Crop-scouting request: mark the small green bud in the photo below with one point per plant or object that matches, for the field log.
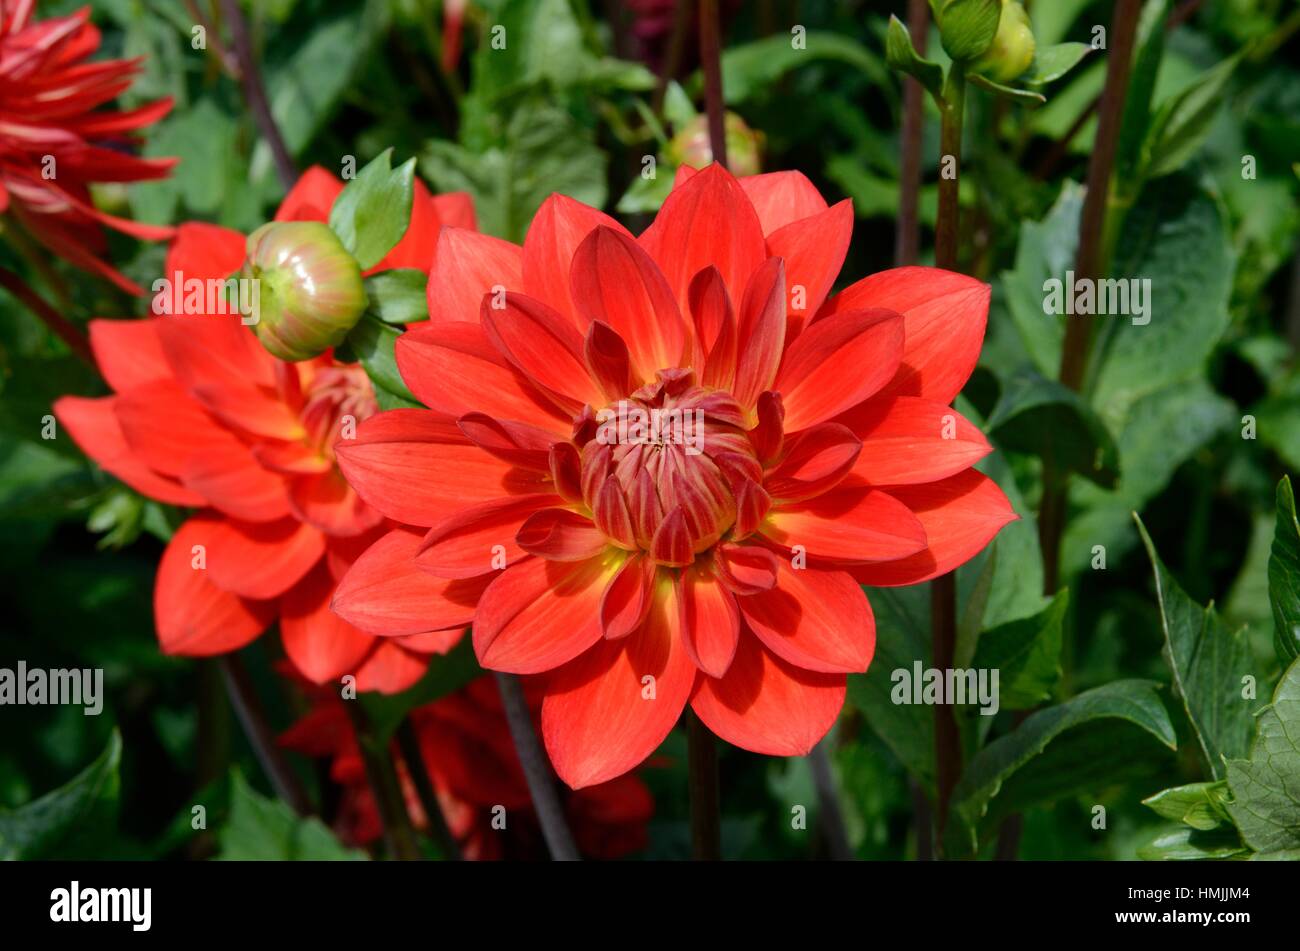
(309, 288)
(1012, 51)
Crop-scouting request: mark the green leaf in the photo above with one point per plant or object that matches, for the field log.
(1134, 126)
(902, 56)
(1193, 845)
(1284, 575)
(967, 27)
(1040, 416)
(1099, 738)
(267, 830)
(399, 296)
(371, 344)
(1024, 96)
(1208, 664)
(42, 828)
(750, 68)
(374, 210)
(1182, 123)
(1053, 62)
(1027, 655)
(446, 675)
(647, 195)
(1266, 786)
(1199, 805)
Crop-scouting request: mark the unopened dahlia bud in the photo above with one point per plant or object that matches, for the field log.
(691, 145)
(309, 288)
(1013, 47)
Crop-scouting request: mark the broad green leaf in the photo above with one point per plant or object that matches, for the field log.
(1199, 805)
(1096, 739)
(1027, 655)
(446, 674)
(1208, 664)
(205, 140)
(1134, 126)
(399, 296)
(1182, 123)
(1266, 785)
(1284, 575)
(371, 344)
(1186, 845)
(750, 68)
(374, 210)
(267, 830)
(1053, 62)
(1040, 416)
(902, 56)
(967, 27)
(45, 826)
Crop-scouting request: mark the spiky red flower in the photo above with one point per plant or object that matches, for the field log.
(53, 142)
(640, 575)
(472, 763)
(203, 416)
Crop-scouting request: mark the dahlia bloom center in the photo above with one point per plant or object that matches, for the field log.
(663, 469)
(335, 401)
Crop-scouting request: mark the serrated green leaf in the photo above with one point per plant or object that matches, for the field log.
(374, 209)
(1208, 664)
(398, 296)
(1199, 805)
(267, 830)
(1284, 575)
(1266, 786)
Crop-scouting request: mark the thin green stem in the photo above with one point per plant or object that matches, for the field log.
(706, 814)
(399, 834)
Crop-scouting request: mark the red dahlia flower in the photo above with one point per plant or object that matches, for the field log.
(53, 145)
(471, 761)
(715, 560)
(203, 416)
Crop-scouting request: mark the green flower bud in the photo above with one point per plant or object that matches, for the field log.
(1012, 51)
(309, 288)
(691, 145)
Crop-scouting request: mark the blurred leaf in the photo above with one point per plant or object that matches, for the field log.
(1027, 654)
(750, 68)
(902, 56)
(1265, 804)
(1199, 805)
(446, 674)
(204, 139)
(1193, 845)
(1207, 663)
(1182, 123)
(1053, 62)
(1284, 575)
(1090, 741)
(1150, 45)
(267, 830)
(43, 827)
(647, 195)
(399, 296)
(374, 209)
(1026, 97)
(1040, 416)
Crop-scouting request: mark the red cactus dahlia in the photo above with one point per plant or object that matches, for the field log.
(53, 144)
(202, 416)
(795, 447)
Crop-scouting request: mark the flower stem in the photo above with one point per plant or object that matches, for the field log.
(248, 708)
(907, 235)
(63, 328)
(255, 93)
(711, 57)
(399, 835)
(832, 816)
(537, 771)
(409, 744)
(706, 821)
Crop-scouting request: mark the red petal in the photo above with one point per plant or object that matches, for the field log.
(466, 266)
(767, 706)
(557, 229)
(626, 600)
(391, 669)
(325, 501)
(194, 617)
(815, 461)
(761, 333)
(128, 352)
(837, 363)
(261, 560)
(415, 250)
(960, 514)
(710, 620)
(746, 569)
(455, 210)
(817, 620)
(311, 197)
(561, 535)
(230, 478)
(385, 592)
(909, 440)
(813, 249)
(944, 315)
(612, 279)
(540, 614)
(780, 198)
(544, 347)
(848, 524)
(715, 328)
(212, 353)
(602, 716)
(474, 542)
(321, 644)
(203, 251)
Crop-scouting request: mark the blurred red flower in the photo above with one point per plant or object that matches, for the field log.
(54, 145)
(203, 416)
(471, 761)
(642, 570)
